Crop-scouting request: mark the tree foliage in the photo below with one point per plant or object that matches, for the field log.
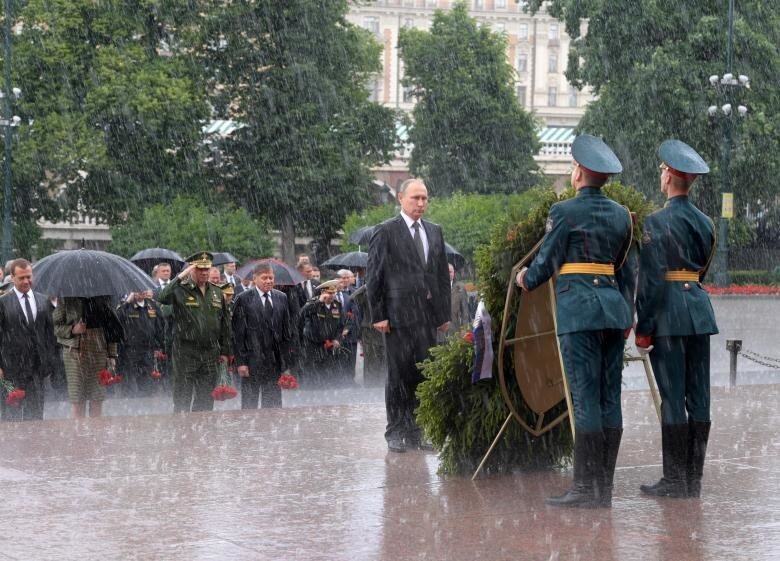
(649, 63)
(294, 74)
(186, 225)
(468, 130)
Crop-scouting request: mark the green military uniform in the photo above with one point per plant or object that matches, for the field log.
(201, 333)
(587, 241)
(675, 311)
(323, 324)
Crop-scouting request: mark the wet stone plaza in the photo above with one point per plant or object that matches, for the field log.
(315, 482)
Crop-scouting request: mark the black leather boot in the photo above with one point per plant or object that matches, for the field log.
(611, 446)
(698, 435)
(674, 440)
(588, 457)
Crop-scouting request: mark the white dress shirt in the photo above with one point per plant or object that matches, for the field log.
(31, 298)
(262, 297)
(423, 236)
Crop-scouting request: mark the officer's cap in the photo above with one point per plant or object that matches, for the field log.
(681, 158)
(201, 260)
(228, 289)
(595, 156)
(330, 286)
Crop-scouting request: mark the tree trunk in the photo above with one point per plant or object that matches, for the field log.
(287, 245)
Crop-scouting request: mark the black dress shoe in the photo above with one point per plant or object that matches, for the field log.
(396, 445)
(417, 444)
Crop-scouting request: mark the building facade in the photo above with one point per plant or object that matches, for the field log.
(537, 49)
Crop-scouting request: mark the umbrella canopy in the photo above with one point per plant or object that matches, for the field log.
(361, 236)
(284, 274)
(454, 256)
(351, 260)
(87, 273)
(222, 257)
(146, 259)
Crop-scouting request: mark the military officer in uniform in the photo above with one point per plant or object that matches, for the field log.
(675, 320)
(586, 242)
(201, 334)
(323, 325)
(143, 325)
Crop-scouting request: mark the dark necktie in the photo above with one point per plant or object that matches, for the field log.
(418, 242)
(28, 309)
(267, 308)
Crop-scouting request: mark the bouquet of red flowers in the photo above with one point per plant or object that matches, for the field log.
(328, 345)
(469, 337)
(155, 373)
(224, 388)
(287, 381)
(107, 377)
(13, 396)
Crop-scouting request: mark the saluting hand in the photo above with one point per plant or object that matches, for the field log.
(186, 272)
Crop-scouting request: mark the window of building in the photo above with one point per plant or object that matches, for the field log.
(479, 4)
(573, 92)
(371, 23)
(500, 3)
(521, 95)
(552, 63)
(374, 88)
(522, 62)
(499, 27)
(552, 32)
(522, 32)
(409, 3)
(406, 95)
(552, 96)
(430, 3)
(408, 23)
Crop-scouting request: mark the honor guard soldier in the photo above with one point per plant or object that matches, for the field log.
(201, 334)
(675, 320)
(323, 324)
(586, 243)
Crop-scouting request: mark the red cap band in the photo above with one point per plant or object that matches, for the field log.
(594, 173)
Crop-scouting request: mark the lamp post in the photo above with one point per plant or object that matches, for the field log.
(727, 87)
(8, 122)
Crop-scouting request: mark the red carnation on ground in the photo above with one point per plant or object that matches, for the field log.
(469, 338)
(13, 395)
(288, 382)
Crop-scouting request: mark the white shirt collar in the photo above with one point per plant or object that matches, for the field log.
(409, 220)
(261, 293)
(20, 294)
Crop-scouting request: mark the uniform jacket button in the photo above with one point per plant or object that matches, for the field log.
(686, 286)
(595, 281)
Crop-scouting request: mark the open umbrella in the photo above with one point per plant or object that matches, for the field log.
(87, 273)
(222, 257)
(350, 260)
(361, 236)
(146, 259)
(454, 256)
(284, 274)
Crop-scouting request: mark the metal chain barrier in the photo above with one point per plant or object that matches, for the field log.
(763, 360)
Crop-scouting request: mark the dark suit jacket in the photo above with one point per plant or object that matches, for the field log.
(400, 288)
(258, 343)
(26, 350)
(238, 288)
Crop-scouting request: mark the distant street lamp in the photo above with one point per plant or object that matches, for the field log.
(8, 123)
(728, 86)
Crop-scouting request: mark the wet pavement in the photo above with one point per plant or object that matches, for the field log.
(315, 482)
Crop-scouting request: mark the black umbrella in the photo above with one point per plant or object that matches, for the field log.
(361, 236)
(454, 256)
(222, 257)
(353, 259)
(146, 259)
(284, 274)
(87, 273)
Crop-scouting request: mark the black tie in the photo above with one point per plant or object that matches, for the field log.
(28, 309)
(267, 308)
(418, 242)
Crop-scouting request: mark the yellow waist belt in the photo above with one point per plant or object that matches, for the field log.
(587, 269)
(681, 276)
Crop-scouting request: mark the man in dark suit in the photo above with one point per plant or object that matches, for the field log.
(229, 272)
(261, 339)
(675, 320)
(409, 295)
(27, 342)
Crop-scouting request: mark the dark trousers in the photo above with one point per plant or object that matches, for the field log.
(31, 407)
(266, 391)
(406, 346)
(136, 366)
(194, 376)
(682, 371)
(593, 361)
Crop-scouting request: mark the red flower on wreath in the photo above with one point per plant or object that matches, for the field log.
(288, 382)
(469, 338)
